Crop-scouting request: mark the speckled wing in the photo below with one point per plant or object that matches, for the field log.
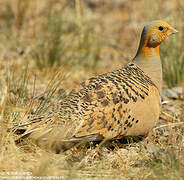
(112, 105)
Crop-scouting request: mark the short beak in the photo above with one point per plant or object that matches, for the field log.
(173, 31)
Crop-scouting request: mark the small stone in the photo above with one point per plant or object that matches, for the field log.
(178, 90)
(170, 93)
(165, 102)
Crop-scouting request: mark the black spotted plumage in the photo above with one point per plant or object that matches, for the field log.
(101, 103)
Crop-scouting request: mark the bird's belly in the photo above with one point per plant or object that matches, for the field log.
(137, 117)
(144, 115)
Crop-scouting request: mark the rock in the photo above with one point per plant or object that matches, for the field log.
(178, 90)
(174, 93)
(170, 93)
(165, 102)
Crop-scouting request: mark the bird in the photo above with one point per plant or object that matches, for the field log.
(124, 102)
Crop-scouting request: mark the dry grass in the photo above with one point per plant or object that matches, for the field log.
(84, 39)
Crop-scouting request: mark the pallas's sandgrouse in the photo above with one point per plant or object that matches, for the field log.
(125, 102)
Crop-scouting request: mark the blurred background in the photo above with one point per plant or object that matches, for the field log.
(85, 37)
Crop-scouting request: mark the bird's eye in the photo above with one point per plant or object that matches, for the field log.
(160, 28)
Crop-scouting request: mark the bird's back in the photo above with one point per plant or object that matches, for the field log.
(110, 105)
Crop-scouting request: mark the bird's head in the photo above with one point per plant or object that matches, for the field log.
(153, 35)
(156, 32)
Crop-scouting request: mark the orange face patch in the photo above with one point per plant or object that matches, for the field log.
(155, 35)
